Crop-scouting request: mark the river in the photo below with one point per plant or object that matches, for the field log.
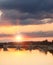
(25, 57)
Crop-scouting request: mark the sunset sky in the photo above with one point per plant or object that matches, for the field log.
(31, 18)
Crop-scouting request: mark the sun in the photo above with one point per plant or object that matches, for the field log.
(19, 38)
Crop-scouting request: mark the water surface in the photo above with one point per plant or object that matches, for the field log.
(25, 57)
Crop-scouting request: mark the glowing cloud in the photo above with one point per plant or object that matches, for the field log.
(1, 13)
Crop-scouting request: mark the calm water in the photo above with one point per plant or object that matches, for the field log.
(34, 57)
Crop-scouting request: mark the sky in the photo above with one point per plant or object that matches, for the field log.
(33, 18)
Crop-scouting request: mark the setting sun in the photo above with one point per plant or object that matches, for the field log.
(19, 38)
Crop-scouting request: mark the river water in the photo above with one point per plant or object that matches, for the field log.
(25, 57)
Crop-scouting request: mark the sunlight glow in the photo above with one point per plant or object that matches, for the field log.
(1, 13)
(19, 38)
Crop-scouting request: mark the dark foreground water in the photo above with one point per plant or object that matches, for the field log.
(25, 57)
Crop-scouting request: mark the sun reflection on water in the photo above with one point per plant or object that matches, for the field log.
(25, 57)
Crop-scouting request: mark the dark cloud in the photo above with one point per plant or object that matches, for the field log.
(40, 34)
(6, 35)
(27, 11)
(31, 34)
(30, 6)
(31, 22)
(15, 14)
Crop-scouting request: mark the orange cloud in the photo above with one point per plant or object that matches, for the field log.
(27, 28)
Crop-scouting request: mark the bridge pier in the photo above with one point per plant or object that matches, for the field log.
(5, 48)
(18, 47)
